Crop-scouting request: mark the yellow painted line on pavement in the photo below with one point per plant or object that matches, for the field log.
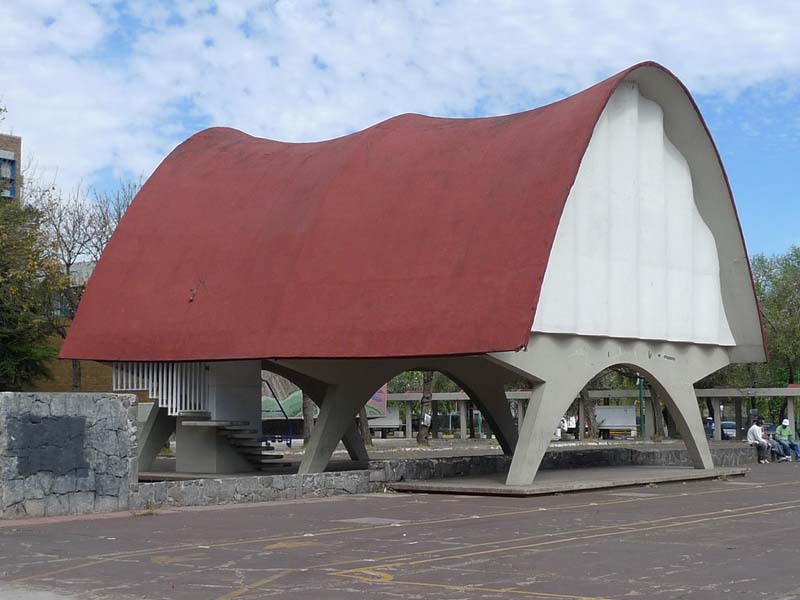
(168, 559)
(255, 585)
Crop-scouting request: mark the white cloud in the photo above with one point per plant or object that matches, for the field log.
(91, 85)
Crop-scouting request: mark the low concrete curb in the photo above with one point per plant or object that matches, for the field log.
(554, 482)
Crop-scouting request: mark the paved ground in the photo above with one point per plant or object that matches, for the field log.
(702, 539)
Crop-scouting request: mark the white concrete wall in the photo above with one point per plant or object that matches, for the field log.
(632, 256)
(235, 391)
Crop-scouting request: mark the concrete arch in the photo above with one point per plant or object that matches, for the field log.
(316, 391)
(565, 363)
(347, 385)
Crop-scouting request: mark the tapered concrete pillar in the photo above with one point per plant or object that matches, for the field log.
(352, 440)
(462, 419)
(547, 405)
(682, 404)
(336, 421)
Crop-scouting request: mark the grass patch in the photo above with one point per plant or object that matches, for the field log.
(150, 510)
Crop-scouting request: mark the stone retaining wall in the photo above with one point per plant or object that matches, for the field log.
(66, 454)
(249, 488)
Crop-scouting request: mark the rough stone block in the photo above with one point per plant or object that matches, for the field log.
(106, 504)
(81, 503)
(40, 408)
(34, 507)
(56, 505)
(13, 492)
(85, 480)
(65, 484)
(106, 485)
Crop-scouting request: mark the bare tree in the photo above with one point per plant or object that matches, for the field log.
(66, 221)
(107, 211)
(79, 229)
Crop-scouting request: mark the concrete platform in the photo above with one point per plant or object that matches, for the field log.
(559, 481)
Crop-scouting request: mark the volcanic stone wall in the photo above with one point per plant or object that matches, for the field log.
(66, 454)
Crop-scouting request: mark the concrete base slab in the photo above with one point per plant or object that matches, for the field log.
(559, 481)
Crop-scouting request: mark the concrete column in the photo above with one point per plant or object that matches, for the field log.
(354, 443)
(581, 420)
(235, 391)
(315, 388)
(682, 404)
(337, 415)
(548, 404)
(409, 427)
(790, 413)
(520, 413)
(462, 419)
(717, 419)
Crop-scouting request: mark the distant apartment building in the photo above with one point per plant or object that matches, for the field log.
(10, 165)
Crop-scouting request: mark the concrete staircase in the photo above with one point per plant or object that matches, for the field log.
(247, 441)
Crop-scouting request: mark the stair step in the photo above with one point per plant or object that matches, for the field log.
(255, 451)
(253, 435)
(223, 424)
(240, 426)
(265, 459)
(254, 443)
(197, 414)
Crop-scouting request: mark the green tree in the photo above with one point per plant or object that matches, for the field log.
(777, 280)
(30, 279)
(778, 285)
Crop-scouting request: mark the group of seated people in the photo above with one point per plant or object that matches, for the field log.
(780, 445)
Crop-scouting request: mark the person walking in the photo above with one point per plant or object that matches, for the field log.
(755, 437)
(785, 437)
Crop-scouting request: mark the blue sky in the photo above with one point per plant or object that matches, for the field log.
(103, 90)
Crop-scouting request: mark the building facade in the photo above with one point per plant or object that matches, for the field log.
(10, 166)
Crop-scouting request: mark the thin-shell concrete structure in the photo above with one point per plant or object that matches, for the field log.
(553, 243)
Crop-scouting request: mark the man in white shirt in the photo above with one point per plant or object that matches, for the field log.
(756, 438)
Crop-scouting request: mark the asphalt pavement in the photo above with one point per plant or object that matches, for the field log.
(700, 539)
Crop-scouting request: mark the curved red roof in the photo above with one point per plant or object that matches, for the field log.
(418, 236)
